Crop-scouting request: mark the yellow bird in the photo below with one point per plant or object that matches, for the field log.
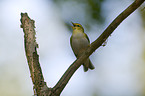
(79, 42)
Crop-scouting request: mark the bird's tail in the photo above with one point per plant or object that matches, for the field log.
(88, 65)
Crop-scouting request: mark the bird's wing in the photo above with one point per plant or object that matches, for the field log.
(87, 37)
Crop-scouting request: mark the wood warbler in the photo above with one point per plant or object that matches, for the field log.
(80, 42)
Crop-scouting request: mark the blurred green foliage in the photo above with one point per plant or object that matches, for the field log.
(95, 9)
(91, 8)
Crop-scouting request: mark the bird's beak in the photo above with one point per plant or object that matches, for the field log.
(73, 24)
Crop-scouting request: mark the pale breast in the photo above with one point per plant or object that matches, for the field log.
(79, 43)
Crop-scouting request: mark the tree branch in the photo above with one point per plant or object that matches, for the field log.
(94, 45)
(40, 86)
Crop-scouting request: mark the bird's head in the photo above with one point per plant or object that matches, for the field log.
(77, 26)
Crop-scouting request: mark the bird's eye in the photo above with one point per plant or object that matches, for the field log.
(78, 25)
